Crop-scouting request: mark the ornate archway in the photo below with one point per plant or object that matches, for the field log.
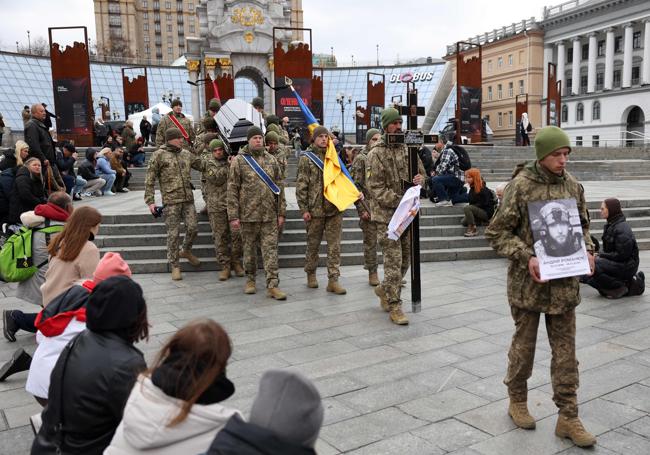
(249, 84)
(634, 123)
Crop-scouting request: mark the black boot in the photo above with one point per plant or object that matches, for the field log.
(615, 293)
(9, 327)
(20, 361)
(637, 284)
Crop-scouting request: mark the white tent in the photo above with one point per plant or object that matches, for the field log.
(162, 108)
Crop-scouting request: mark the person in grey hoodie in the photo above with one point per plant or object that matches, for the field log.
(285, 419)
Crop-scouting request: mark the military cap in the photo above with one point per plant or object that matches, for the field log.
(272, 119)
(214, 104)
(216, 143)
(318, 131)
(388, 116)
(370, 134)
(549, 139)
(173, 133)
(272, 136)
(254, 131)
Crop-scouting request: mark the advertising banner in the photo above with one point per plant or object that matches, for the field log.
(70, 97)
(287, 105)
(470, 111)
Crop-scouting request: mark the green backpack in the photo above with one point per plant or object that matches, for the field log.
(16, 262)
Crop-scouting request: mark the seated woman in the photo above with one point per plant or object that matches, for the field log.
(481, 203)
(28, 190)
(616, 265)
(174, 407)
(94, 374)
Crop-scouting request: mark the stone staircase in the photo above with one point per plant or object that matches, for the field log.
(141, 239)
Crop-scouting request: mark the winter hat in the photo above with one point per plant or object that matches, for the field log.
(208, 122)
(177, 102)
(114, 305)
(272, 136)
(272, 119)
(258, 102)
(215, 143)
(214, 105)
(549, 139)
(371, 132)
(289, 405)
(318, 131)
(613, 207)
(275, 128)
(388, 116)
(173, 133)
(110, 265)
(254, 131)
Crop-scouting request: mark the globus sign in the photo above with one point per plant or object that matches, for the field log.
(411, 77)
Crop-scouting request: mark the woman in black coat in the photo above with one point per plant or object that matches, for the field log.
(618, 262)
(481, 202)
(95, 373)
(28, 190)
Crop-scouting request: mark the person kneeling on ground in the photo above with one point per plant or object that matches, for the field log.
(481, 203)
(92, 183)
(103, 168)
(91, 381)
(174, 407)
(447, 181)
(616, 266)
(122, 175)
(285, 419)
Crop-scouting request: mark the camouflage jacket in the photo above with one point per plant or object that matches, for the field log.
(387, 178)
(358, 173)
(215, 176)
(249, 198)
(129, 137)
(309, 187)
(166, 122)
(171, 167)
(510, 235)
(281, 155)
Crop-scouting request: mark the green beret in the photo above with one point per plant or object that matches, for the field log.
(173, 133)
(388, 116)
(216, 143)
(272, 119)
(371, 132)
(272, 136)
(254, 131)
(549, 139)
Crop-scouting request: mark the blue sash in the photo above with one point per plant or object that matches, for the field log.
(315, 159)
(261, 174)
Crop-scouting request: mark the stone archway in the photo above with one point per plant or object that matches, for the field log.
(249, 84)
(634, 121)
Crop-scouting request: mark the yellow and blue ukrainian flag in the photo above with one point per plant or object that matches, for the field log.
(338, 186)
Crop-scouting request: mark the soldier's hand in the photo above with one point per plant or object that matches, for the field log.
(361, 197)
(235, 225)
(306, 217)
(280, 222)
(533, 269)
(592, 263)
(152, 208)
(365, 216)
(417, 180)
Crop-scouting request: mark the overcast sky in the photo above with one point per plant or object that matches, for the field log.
(404, 28)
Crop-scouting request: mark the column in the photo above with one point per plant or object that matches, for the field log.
(591, 63)
(561, 60)
(609, 59)
(575, 68)
(193, 69)
(646, 52)
(627, 56)
(548, 58)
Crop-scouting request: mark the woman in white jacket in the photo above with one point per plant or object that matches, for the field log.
(174, 407)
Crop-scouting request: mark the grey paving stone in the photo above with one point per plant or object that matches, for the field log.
(491, 327)
(337, 385)
(403, 444)
(389, 335)
(3, 422)
(440, 406)
(335, 411)
(600, 416)
(17, 441)
(485, 366)
(424, 343)
(323, 448)
(451, 434)
(462, 334)
(19, 415)
(595, 450)
(474, 348)
(463, 319)
(625, 442)
(629, 321)
(639, 340)
(598, 354)
(262, 334)
(376, 397)
(320, 351)
(592, 335)
(366, 429)
(445, 378)
(254, 365)
(635, 395)
(640, 427)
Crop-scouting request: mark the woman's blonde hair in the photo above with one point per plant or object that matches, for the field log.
(19, 146)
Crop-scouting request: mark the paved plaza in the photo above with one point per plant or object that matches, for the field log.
(433, 387)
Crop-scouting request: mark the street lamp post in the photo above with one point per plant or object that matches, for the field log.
(17, 47)
(169, 96)
(377, 54)
(343, 99)
(29, 43)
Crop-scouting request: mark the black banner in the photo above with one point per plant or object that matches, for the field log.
(470, 110)
(71, 97)
(287, 105)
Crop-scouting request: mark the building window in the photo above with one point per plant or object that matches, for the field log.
(116, 33)
(192, 28)
(146, 38)
(595, 111)
(569, 85)
(580, 112)
(181, 29)
(489, 66)
(511, 89)
(156, 5)
(168, 5)
(145, 27)
(583, 84)
(601, 48)
(565, 114)
(169, 17)
(569, 55)
(617, 78)
(145, 16)
(181, 49)
(156, 17)
(635, 75)
(636, 40)
(510, 118)
(618, 44)
(489, 94)
(595, 141)
(114, 8)
(170, 39)
(147, 49)
(521, 86)
(579, 141)
(600, 78)
(157, 27)
(169, 27)
(509, 59)
(499, 119)
(145, 4)
(585, 51)
(499, 91)
(499, 62)
(190, 6)
(115, 21)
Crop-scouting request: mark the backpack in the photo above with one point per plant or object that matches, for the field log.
(16, 262)
(464, 163)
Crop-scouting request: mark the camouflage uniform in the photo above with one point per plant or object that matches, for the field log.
(281, 155)
(387, 173)
(511, 236)
(216, 187)
(325, 216)
(251, 202)
(166, 123)
(368, 227)
(171, 167)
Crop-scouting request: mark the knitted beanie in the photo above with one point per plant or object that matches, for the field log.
(318, 131)
(275, 128)
(271, 136)
(549, 139)
(214, 105)
(258, 102)
(254, 131)
(173, 133)
(272, 119)
(371, 132)
(110, 265)
(215, 143)
(388, 116)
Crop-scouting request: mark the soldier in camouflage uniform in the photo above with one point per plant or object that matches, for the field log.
(319, 214)
(368, 228)
(166, 123)
(171, 165)
(387, 175)
(257, 211)
(227, 243)
(201, 147)
(213, 108)
(510, 235)
(275, 120)
(279, 153)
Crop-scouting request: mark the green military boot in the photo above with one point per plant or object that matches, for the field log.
(334, 287)
(373, 279)
(518, 411)
(312, 282)
(176, 274)
(190, 257)
(249, 288)
(379, 292)
(239, 270)
(397, 316)
(225, 273)
(572, 428)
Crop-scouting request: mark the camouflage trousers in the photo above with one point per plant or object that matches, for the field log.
(369, 230)
(397, 258)
(175, 214)
(561, 329)
(331, 227)
(266, 235)
(227, 243)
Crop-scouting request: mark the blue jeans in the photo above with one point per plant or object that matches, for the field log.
(446, 187)
(110, 179)
(69, 182)
(138, 159)
(79, 185)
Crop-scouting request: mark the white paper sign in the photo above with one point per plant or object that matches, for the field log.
(559, 242)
